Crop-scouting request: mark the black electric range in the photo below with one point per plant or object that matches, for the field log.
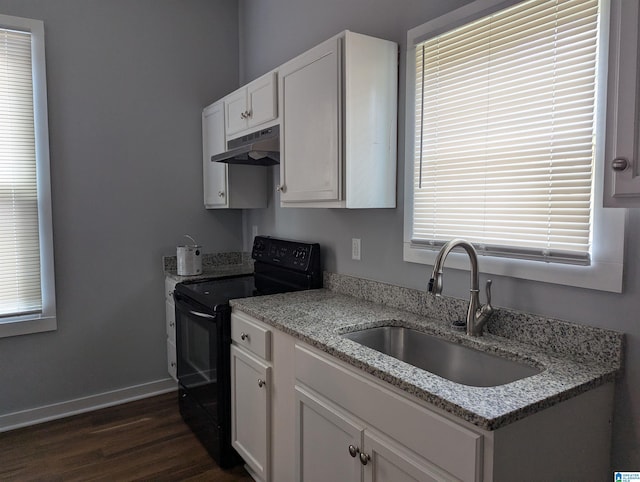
(203, 333)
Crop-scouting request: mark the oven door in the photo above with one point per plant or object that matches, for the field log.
(203, 340)
(196, 339)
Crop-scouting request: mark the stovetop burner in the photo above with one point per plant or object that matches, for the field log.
(216, 293)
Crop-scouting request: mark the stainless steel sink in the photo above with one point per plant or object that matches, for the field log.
(449, 360)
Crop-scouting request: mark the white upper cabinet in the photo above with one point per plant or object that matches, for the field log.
(622, 152)
(227, 186)
(251, 106)
(213, 142)
(338, 124)
(310, 135)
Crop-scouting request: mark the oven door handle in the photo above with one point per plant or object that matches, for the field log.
(199, 314)
(183, 306)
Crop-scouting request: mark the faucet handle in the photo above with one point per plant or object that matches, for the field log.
(488, 289)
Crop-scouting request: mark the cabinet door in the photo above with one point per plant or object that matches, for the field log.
(622, 157)
(170, 320)
(172, 365)
(390, 462)
(251, 410)
(324, 435)
(213, 142)
(235, 108)
(262, 100)
(311, 125)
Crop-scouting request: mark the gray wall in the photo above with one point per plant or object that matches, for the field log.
(273, 31)
(127, 81)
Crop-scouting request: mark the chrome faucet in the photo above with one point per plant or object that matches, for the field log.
(477, 314)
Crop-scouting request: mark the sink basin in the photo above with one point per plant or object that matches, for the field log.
(448, 360)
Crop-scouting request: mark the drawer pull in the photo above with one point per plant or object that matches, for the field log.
(244, 336)
(261, 382)
(353, 450)
(364, 458)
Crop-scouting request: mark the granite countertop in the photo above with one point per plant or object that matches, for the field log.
(214, 265)
(320, 317)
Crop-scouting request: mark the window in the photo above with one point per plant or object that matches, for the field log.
(27, 297)
(505, 132)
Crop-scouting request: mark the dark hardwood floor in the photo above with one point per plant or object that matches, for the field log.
(141, 440)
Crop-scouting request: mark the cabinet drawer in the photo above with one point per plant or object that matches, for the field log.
(170, 317)
(169, 286)
(446, 444)
(251, 334)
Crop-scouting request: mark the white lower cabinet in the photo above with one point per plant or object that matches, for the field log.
(251, 413)
(324, 432)
(390, 462)
(301, 415)
(170, 325)
(324, 435)
(383, 436)
(252, 392)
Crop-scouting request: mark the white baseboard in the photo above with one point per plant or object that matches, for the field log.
(24, 418)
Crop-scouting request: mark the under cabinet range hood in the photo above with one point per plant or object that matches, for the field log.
(260, 148)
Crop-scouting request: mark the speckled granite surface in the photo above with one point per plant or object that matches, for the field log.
(556, 337)
(320, 317)
(214, 265)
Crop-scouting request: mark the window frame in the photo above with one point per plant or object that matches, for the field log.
(47, 320)
(607, 255)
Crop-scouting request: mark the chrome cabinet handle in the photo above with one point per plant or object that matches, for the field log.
(172, 324)
(173, 364)
(353, 450)
(619, 164)
(281, 188)
(364, 458)
(261, 382)
(243, 115)
(220, 193)
(244, 336)
(248, 113)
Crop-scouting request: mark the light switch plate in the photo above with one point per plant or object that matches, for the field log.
(355, 249)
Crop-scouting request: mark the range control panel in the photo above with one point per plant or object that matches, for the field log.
(288, 254)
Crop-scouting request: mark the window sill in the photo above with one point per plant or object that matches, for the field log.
(25, 325)
(600, 275)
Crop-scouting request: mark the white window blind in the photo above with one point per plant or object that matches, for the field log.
(504, 140)
(20, 284)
